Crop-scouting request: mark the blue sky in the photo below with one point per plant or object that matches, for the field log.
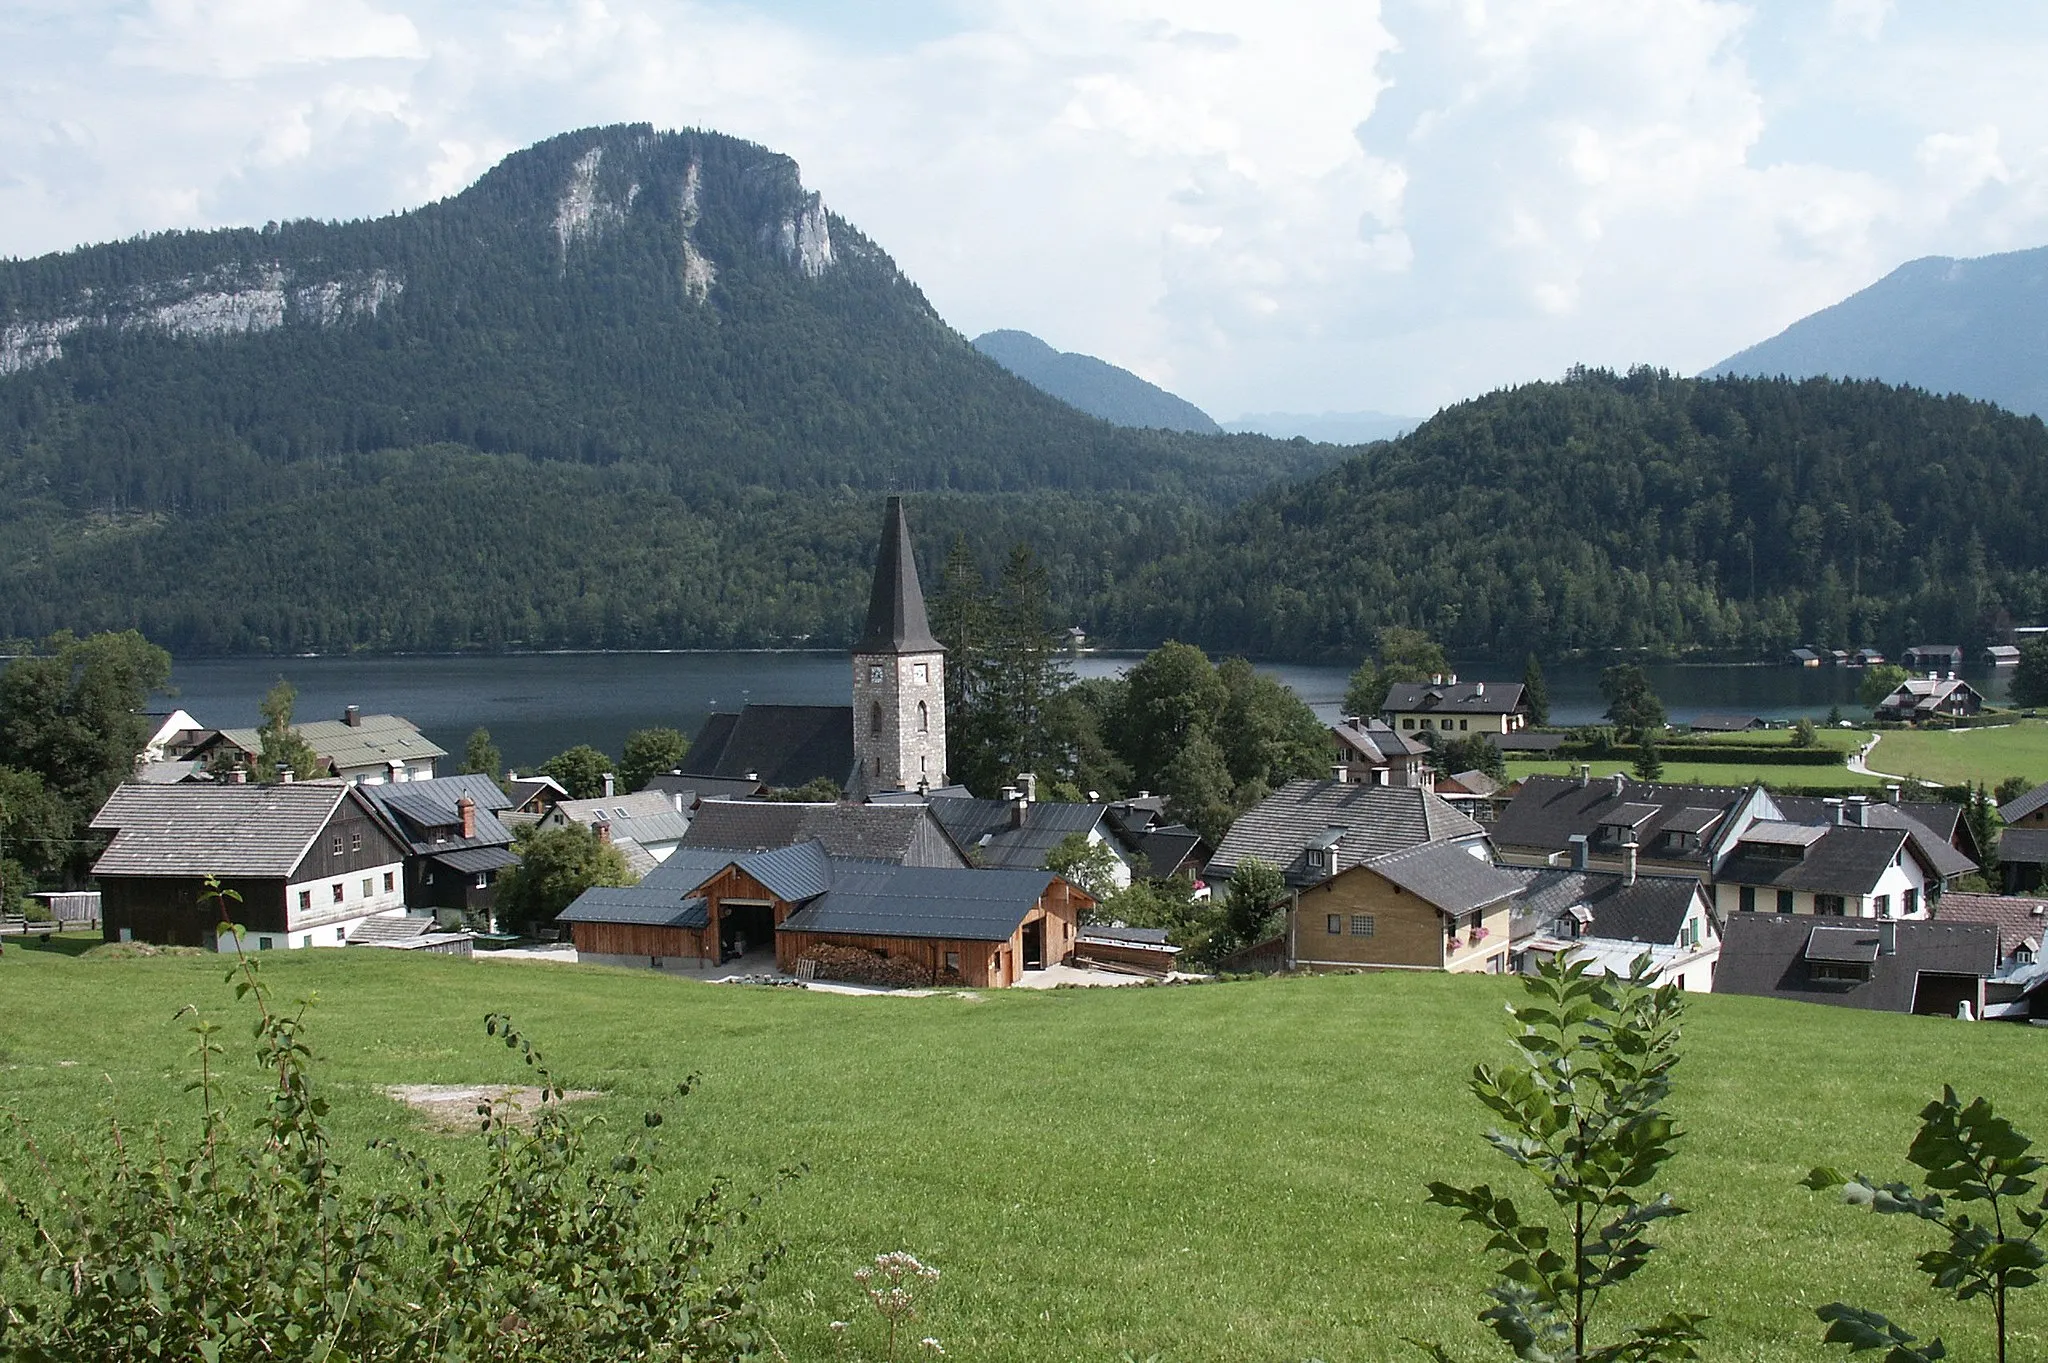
(1297, 205)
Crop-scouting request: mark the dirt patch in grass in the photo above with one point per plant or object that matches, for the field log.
(135, 951)
(453, 1107)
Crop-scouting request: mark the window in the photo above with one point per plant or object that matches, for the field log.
(953, 961)
(388, 881)
(875, 674)
(1909, 904)
(308, 942)
(1362, 925)
(426, 877)
(924, 718)
(1828, 905)
(355, 842)
(483, 880)
(1427, 721)
(921, 673)
(875, 718)
(1746, 899)
(1881, 906)
(1462, 724)
(305, 899)
(337, 844)
(1784, 901)
(1838, 970)
(337, 892)
(1408, 722)
(340, 935)
(369, 887)
(1334, 925)
(264, 943)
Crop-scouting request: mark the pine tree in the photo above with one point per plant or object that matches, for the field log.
(1534, 693)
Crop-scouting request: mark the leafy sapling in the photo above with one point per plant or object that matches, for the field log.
(1583, 1113)
(1973, 1158)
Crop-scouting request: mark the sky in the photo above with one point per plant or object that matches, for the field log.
(1295, 205)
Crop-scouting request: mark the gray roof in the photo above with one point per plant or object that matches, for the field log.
(887, 832)
(523, 789)
(391, 927)
(1846, 861)
(2023, 844)
(873, 900)
(376, 741)
(471, 861)
(214, 829)
(2020, 921)
(2021, 806)
(783, 745)
(1724, 724)
(428, 818)
(1447, 876)
(645, 817)
(792, 874)
(1372, 821)
(1455, 698)
(1650, 911)
(694, 788)
(896, 618)
(641, 905)
(1548, 810)
(1118, 933)
(1931, 822)
(1375, 742)
(987, 831)
(1766, 954)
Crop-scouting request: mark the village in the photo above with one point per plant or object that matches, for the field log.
(1864, 900)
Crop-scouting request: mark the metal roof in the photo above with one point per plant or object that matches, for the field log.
(2021, 806)
(471, 861)
(875, 900)
(1447, 876)
(792, 874)
(1652, 911)
(896, 617)
(426, 814)
(887, 832)
(214, 829)
(988, 830)
(782, 745)
(375, 741)
(639, 905)
(1846, 861)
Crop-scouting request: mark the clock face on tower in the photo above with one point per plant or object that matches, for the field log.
(875, 673)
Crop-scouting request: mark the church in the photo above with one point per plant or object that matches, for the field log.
(891, 739)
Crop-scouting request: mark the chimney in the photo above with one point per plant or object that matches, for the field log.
(1451, 680)
(1478, 688)
(466, 807)
(1620, 783)
(610, 787)
(1341, 774)
(1838, 819)
(353, 716)
(1028, 781)
(1144, 795)
(1436, 679)
(1852, 810)
(676, 799)
(285, 775)
(1887, 936)
(603, 829)
(1579, 860)
(1628, 859)
(1585, 774)
(239, 776)
(1010, 794)
(1891, 795)
(1018, 805)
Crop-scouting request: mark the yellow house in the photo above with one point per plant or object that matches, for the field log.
(1439, 906)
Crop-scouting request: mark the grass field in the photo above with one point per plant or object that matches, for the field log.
(1223, 1172)
(1957, 755)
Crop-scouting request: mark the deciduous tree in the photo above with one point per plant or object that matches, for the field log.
(480, 756)
(1880, 681)
(556, 865)
(580, 770)
(281, 747)
(650, 752)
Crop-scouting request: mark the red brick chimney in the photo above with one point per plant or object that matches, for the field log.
(603, 831)
(466, 807)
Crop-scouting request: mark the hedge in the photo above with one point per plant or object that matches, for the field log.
(1720, 753)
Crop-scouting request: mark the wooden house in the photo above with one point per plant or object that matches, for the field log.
(310, 860)
(456, 843)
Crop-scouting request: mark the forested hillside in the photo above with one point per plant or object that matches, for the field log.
(628, 389)
(1738, 516)
(1097, 387)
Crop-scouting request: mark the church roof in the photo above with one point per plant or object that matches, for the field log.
(896, 618)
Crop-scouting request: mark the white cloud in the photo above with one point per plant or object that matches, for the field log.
(1306, 206)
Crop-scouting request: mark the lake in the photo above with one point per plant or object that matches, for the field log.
(536, 704)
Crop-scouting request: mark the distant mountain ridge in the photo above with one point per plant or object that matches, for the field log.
(1978, 327)
(1096, 387)
(1330, 428)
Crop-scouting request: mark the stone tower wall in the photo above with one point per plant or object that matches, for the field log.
(902, 755)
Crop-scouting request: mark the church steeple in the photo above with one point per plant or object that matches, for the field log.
(896, 618)
(899, 676)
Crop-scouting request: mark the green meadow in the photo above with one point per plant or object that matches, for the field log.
(1218, 1172)
(1952, 756)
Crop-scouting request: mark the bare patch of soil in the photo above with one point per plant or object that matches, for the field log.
(453, 1107)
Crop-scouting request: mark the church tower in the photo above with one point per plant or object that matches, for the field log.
(899, 677)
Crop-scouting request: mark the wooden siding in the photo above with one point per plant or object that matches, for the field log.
(639, 939)
(364, 844)
(983, 965)
(171, 910)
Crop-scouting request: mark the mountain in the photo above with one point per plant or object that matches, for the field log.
(1330, 428)
(1977, 327)
(1095, 386)
(1640, 512)
(629, 389)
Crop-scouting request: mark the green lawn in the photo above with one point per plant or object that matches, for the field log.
(1708, 773)
(1226, 1172)
(1957, 755)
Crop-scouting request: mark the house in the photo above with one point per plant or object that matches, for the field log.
(1804, 657)
(1433, 906)
(2023, 859)
(702, 906)
(2019, 920)
(1866, 657)
(1472, 793)
(1164, 848)
(1447, 705)
(905, 835)
(646, 826)
(1372, 753)
(1314, 830)
(1611, 921)
(370, 749)
(1830, 871)
(1019, 831)
(1943, 659)
(310, 860)
(1940, 833)
(2026, 811)
(172, 737)
(455, 843)
(1840, 657)
(2002, 655)
(1932, 968)
(1622, 824)
(534, 795)
(1930, 697)
(1725, 724)
(778, 746)
(697, 789)
(412, 932)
